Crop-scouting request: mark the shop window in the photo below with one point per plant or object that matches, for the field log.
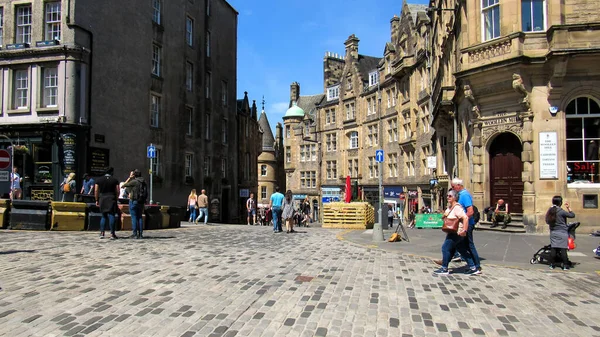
(42, 158)
(583, 135)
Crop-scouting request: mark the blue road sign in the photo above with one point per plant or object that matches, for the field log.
(379, 156)
(151, 151)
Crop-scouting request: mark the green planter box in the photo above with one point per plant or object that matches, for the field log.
(432, 220)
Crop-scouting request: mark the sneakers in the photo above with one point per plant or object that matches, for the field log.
(474, 271)
(101, 235)
(565, 268)
(113, 237)
(457, 259)
(248, 224)
(441, 271)
(551, 266)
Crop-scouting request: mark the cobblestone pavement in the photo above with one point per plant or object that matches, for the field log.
(246, 281)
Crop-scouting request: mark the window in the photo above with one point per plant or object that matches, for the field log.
(308, 152)
(308, 179)
(373, 78)
(208, 7)
(371, 105)
(288, 154)
(393, 94)
(207, 44)
(490, 12)
(393, 165)
(332, 116)
(154, 111)
(52, 24)
(208, 84)
(445, 158)
(263, 170)
(190, 113)
(409, 160)
(156, 59)
(583, 135)
(389, 98)
(406, 125)
(372, 135)
(313, 152)
(1, 26)
(206, 166)
(224, 131)
(207, 126)
(353, 168)
(331, 169)
(288, 131)
(263, 192)
(189, 31)
(532, 15)
(350, 111)
(189, 76)
(373, 167)
(156, 163)
(156, 4)
(331, 142)
(327, 117)
(24, 24)
(392, 130)
(333, 92)
(425, 119)
(224, 93)
(50, 88)
(21, 83)
(353, 144)
(425, 152)
(223, 167)
(188, 164)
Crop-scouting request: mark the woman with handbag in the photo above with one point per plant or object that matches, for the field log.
(192, 205)
(456, 223)
(556, 218)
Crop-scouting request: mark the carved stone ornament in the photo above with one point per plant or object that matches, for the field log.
(488, 132)
(503, 46)
(519, 88)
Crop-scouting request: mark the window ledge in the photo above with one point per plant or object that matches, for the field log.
(47, 110)
(584, 185)
(18, 111)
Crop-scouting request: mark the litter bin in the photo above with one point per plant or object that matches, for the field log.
(4, 212)
(153, 217)
(177, 215)
(30, 214)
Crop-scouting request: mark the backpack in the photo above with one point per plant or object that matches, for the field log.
(66, 188)
(476, 214)
(142, 192)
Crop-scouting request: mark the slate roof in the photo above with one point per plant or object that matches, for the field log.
(414, 11)
(366, 64)
(268, 141)
(307, 103)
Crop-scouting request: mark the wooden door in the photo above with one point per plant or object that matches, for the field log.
(506, 182)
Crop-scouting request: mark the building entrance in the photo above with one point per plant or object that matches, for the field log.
(505, 171)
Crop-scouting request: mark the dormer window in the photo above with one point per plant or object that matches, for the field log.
(373, 78)
(333, 92)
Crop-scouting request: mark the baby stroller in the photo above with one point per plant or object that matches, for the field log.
(265, 217)
(543, 254)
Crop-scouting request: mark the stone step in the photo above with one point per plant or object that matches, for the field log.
(513, 227)
(515, 217)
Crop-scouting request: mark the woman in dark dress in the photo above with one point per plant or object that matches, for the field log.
(556, 218)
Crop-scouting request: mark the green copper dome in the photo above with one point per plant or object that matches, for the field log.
(294, 111)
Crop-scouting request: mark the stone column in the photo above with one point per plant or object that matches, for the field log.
(527, 175)
(478, 160)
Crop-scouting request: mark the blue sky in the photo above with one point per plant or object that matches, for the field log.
(280, 42)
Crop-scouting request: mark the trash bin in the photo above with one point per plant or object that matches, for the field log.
(153, 217)
(177, 215)
(30, 214)
(68, 216)
(4, 212)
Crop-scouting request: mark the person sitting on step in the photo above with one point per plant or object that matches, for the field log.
(501, 214)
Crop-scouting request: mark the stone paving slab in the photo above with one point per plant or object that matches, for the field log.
(246, 281)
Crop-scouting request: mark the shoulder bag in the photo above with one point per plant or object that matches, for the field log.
(451, 225)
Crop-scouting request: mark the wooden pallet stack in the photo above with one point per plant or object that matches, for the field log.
(354, 215)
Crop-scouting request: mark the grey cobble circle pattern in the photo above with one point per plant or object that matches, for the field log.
(247, 281)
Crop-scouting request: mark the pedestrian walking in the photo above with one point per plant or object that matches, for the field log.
(556, 218)
(192, 203)
(287, 212)
(106, 190)
(454, 240)
(275, 204)
(466, 201)
(137, 199)
(88, 185)
(251, 209)
(68, 188)
(202, 207)
(15, 188)
(390, 215)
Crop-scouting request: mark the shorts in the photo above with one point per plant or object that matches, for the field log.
(252, 212)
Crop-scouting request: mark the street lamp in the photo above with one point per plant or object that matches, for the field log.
(378, 227)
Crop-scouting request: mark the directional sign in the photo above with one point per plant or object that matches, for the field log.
(4, 159)
(379, 156)
(151, 151)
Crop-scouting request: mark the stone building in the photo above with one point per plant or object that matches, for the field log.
(515, 89)
(270, 161)
(86, 86)
(248, 152)
(369, 103)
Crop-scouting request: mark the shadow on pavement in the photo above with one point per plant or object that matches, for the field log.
(17, 251)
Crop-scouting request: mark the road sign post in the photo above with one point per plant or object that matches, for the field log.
(378, 227)
(151, 153)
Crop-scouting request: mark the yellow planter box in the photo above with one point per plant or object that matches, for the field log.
(354, 215)
(166, 217)
(3, 212)
(68, 216)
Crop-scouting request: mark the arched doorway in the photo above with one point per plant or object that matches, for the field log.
(506, 168)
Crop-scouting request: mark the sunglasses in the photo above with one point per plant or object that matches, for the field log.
(449, 195)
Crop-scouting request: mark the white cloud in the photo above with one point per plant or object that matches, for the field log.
(278, 108)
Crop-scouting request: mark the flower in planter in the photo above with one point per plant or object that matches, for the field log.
(22, 149)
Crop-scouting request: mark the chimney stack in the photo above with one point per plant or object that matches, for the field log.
(294, 91)
(352, 47)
